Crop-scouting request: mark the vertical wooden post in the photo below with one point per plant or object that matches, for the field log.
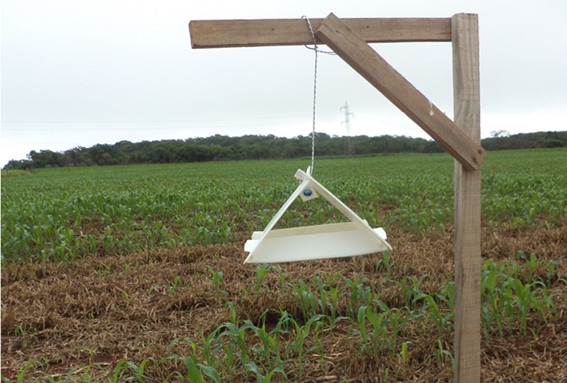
(466, 98)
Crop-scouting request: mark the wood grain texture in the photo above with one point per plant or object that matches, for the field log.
(359, 55)
(466, 98)
(251, 33)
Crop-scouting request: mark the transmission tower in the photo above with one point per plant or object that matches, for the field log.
(346, 122)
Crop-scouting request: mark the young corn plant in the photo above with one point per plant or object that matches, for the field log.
(552, 272)
(276, 334)
(443, 354)
(318, 346)
(525, 299)
(404, 355)
(323, 294)
(359, 295)
(434, 313)
(252, 367)
(379, 333)
(397, 323)
(238, 338)
(371, 342)
(333, 316)
(283, 279)
(306, 299)
(531, 263)
(301, 333)
(217, 278)
(195, 370)
(410, 288)
(261, 272)
(447, 295)
(386, 263)
(269, 347)
(490, 309)
(139, 370)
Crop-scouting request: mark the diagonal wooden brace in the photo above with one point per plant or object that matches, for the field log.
(362, 58)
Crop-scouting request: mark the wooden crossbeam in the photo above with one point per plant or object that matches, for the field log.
(251, 33)
(359, 55)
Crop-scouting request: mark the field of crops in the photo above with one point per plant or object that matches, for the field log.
(135, 273)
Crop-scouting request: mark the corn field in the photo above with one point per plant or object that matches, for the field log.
(134, 273)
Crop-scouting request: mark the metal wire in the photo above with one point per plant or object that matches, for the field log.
(314, 95)
(314, 88)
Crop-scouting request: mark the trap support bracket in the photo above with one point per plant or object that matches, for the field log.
(349, 38)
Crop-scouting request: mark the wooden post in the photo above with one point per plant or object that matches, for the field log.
(466, 99)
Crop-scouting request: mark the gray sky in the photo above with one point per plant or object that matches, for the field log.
(78, 73)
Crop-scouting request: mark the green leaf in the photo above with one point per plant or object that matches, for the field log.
(193, 371)
(210, 372)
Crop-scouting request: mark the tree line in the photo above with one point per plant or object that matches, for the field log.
(253, 147)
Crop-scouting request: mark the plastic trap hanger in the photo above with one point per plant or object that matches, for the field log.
(333, 240)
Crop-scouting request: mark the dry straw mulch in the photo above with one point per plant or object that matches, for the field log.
(106, 308)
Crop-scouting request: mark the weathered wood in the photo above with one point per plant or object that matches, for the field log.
(359, 55)
(466, 98)
(250, 33)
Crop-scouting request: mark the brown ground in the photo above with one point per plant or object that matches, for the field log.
(90, 312)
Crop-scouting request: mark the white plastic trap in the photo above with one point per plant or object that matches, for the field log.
(333, 240)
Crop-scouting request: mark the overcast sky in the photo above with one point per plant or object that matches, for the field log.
(78, 73)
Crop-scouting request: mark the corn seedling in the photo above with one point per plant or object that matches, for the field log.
(434, 313)
(318, 346)
(447, 295)
(493, 306)
(410, 288)
(139, 370)
(261, 272)
(397, 323)
(126, 266)
(20, 375)
(237, 338)
(268, 345)
(404, 356)
(301, 333)
(379, 334)
(387, 264)
(442, 354)
(217, 278)
(104, 269)
(323, 293)
(283, 278)
(525, 299)
(552, 273)
(252, 367)
(306, 299)
(358, 294)
(209, 351)
(193, 372)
